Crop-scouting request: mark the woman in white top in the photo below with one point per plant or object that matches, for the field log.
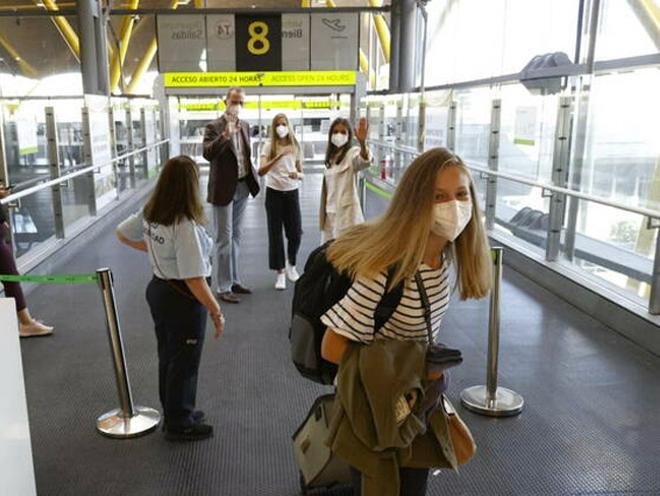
(340, 202)
(169, 229)
(281, 163)
(432, 222)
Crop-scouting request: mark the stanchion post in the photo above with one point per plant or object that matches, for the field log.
(494, 327)
(491, 399)
(128, 420)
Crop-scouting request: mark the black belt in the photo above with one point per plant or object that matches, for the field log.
(179, 285)
(240, 180)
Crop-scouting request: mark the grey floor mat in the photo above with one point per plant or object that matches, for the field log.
(589, 427)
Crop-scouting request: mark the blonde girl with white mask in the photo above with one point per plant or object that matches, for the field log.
(282, 164)
(432, 223)
(340, 203)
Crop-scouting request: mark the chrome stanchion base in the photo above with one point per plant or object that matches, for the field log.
(115, 424)
(505, 403)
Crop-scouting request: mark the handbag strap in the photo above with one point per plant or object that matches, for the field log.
(426, 304)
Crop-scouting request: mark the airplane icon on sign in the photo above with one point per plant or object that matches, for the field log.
(334, 24)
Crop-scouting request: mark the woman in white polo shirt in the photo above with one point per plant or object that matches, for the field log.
(281, 163)
(169, 229)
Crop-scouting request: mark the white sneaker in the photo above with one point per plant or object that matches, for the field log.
(281, 281)
(292, 273)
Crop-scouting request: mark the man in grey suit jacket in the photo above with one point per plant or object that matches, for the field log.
(231, 180)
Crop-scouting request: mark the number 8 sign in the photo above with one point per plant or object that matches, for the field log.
(258, 43)
(258, 37)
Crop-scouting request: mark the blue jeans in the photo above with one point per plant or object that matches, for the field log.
(228, 231)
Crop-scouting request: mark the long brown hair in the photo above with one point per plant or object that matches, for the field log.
(399, 237)
(274, 137)
(331, 148)
(176, 195)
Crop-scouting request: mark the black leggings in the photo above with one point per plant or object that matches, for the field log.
(413, 481)
(283, 210)
(8, 268)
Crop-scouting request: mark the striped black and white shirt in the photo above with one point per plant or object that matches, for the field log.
(353, 315)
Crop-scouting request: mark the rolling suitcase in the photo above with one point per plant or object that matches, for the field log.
(319, 467)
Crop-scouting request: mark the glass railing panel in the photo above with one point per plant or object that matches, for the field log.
(523, 212)
(527, 133)
(75, 192)
(616, 247)
(25, 140)
(32, 221)
(121, 147)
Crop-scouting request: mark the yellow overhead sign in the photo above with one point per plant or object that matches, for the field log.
(284, 78)
(264, 104)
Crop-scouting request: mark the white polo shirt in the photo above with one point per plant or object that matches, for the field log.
(178, 251)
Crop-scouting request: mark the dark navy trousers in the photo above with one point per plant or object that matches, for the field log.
(180, 322)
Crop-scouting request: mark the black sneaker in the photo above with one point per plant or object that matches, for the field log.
(195, 432)
(197, 417)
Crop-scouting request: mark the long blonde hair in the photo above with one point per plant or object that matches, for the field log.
(399, 237)
(274, 138)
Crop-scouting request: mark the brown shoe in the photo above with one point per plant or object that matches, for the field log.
(238, 289)
(229, 297)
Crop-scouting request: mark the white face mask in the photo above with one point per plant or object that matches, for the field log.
(282, 131)
(450, 218)
(234, 109)
(339, 139)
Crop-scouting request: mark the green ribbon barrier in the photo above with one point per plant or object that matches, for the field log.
(64, 279)
(380, 192)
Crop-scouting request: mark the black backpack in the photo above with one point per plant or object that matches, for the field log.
(318, 289)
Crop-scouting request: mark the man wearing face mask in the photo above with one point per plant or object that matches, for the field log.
(231, 180)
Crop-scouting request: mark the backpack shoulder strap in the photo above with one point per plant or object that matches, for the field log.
(389, 301)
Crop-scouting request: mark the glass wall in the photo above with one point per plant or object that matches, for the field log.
(35, 218)
(615, 155)
(473, 108)
(621, 164)
(526, 143)
(627, 29)
(612, 125)
(473, 39)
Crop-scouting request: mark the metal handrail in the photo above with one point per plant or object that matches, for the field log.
(569, 70)
(654, 214)
(397, 148)
(66, 177)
